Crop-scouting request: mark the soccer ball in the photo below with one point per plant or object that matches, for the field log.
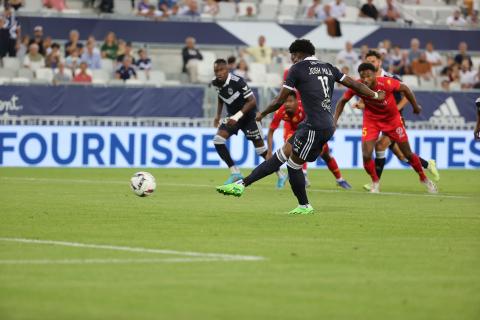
(143, 184)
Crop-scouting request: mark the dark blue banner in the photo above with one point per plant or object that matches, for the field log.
(100, 101)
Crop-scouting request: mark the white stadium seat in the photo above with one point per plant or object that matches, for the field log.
(44, 73)
(411, 81)
(227, 10)
(11, 63)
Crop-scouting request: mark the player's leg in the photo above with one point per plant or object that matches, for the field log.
(369, 164)
(219, 141)
(429, 165)
(297, 182)
(333, 167)
(381, 147)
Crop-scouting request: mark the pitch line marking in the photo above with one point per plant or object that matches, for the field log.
(104, 261)
(210, 186)
(210, 256)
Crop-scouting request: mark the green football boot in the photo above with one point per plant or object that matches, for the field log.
(302, 210)
(232, 189)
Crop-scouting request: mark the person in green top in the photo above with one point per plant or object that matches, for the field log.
(110, 47)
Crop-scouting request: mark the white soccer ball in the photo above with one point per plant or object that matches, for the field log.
(143, 184)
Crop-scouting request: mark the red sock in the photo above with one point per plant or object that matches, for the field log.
(333, 167)
(304, 168)
(370, 168)
(417, 166)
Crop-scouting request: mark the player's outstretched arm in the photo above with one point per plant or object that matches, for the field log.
(339, 109)
(275, 104)
(247, 107)
(410, 97)
(362, 89)
(216, 121)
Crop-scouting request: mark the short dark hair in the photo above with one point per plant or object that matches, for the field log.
(55, 45)
(292, 93)
(220, 61)
(373, 53)
(231, 59)
(366, 66)
(303, 46)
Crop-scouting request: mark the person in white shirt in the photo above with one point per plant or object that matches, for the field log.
(467, 75)
(432, 56)
(33, 60)
(338, 9)
(347, 56)
(456, 20)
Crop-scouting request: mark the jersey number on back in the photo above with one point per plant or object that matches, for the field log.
(324, 81)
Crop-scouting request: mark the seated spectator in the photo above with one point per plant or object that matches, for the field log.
(58, 5)
(338, 9)
(403, 66)
(126, 71)
(22, 47)
(333, 25)
(314, 9)
(92, 57)
(47, 45)
(462, 54)
(456, 19)
(143, 5)
(121, 47)
(211, 8)
(143, 62)
(15, 4)
(91, 39)
(53, 59)
(422, 68)
(191, 9)
(191, 56)
(249, 12)
(38, 38)
(432, 56)
(467, 75)
(152, 13)
(127, 53)
(368, 10)
(83, 76)
(445, 85)
(363, 52)
(261, 53)
(390, 12)
(232, 65)
(61, 76)
(414, 52)
(395, 58)
(242, 70)
(110, 47)
(73, 61)
(73, 43)
(347, 56)
(166, 5)
(33, 60)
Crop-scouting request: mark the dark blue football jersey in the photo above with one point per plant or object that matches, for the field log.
(315, 80)
(234, 93)
(398, 96)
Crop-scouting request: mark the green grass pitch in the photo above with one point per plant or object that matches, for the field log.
(398, 255)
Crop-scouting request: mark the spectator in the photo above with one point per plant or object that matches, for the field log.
(127, 53)
(91, 39)
(110, 47)
(38, 38)
(422, 68)
(15, 4)
(143, 62)
(338, 9)
(190, 9)
(121, 47)
(47, 46)
(445, 85)
(414, 52)
(462, 54)
(191, 56)
(53, 58)
(152, 13)
(211, 8)
(368, 10)
(92, 57)
(249, 12)
(9, 32)
(242, 70)
(232, 65)
(347, 56)
(22, 48)
(73, 61)
(33, 60)
(456, 19)
(363, 52)
(126, 71)
(390, 12)
(314, 9)
(143, 5)
(467, 75)
(82, 76)
(432, 56)
(333, 25)
(395, 58)
(58, 5)
(61, 77)
(167, 5)
(73, 43)
(262, 53)
(403, 67)
(477, 79)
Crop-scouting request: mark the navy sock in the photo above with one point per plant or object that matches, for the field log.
(379, 164)
(264, 169)
(424, 163)
(224, 154)
(297, 182)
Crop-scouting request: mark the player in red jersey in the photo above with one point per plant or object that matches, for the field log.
(383, 116)
(292, 114)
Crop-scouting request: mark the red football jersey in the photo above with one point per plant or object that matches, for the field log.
(379, 110)
(291, 123)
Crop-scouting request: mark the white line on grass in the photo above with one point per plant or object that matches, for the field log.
(106, 261)
(213, 256)
(211, 186)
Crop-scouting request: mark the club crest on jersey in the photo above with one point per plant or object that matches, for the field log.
(400, 132)
(230, 91)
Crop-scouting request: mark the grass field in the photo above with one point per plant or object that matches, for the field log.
(398, 255)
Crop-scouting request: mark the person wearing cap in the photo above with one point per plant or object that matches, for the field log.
(38, 39)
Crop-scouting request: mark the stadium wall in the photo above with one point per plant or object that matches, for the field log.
(53, 146)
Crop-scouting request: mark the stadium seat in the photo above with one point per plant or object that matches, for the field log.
(32, 6)
(205, 72)
(8, 73)
(267, 11)
(288, 11)
(209, 57)
(272, 2)
(273, 80)
(290, 3)
(242, 8)
(100, 74)
(99, 81)
(411, 81)
(427, 15)
(227, 10)
(107, 65)
(427, 84)
(157, 77)
(4, 80)
(351, 14)
(442, 15)
(134, 82)
(89, 72)
(20, 80)
(257, 72)
(11, 63)
(123, 7)
(142, 75)
(44, 73)
(25, 73)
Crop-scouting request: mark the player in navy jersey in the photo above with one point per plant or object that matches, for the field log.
(241, 108)
(384, 142)
(314, 80)
(476, 133)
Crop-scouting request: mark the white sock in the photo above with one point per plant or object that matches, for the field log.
(234, 170)
(280, 174)
(239, 181)
(340, 179)
(304, 205)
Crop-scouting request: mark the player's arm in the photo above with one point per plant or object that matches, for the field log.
(361, 88)
(477, 128)
(339, 108)
(249, 105)
(410, 97)
(276, 103)
(269, 143)
(216, 121)
(402, 103)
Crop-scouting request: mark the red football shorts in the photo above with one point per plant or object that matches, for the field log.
(395, 130)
